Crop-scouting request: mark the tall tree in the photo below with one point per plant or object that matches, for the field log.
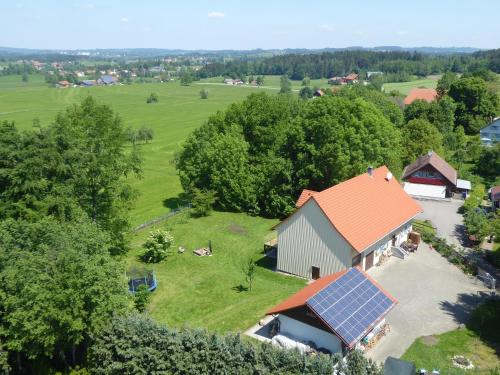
(419, 137)
(59, 286)
(285, 85)
(476, 104)
(445, 82)
(91, 140)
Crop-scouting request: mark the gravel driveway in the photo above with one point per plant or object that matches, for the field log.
(434, 297)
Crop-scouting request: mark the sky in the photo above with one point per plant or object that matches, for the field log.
(232, 24)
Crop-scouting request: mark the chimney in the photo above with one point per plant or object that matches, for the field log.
(430, 152)
(370, 171)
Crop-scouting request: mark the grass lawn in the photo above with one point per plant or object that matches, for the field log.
(204, 291)
(424, 226)
(479, 342)
(405, 87)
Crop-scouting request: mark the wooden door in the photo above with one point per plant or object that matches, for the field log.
(369, 261)
(315, 273)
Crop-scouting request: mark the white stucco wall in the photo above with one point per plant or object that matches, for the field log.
(308, 239)
(304, 332)
(384, 245)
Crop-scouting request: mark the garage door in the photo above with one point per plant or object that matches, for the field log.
(422, 190)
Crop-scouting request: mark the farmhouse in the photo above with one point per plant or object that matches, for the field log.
(350, 224)
(107, 80)
(431, 176)
(336, 312)
(349, 79)
(63, 84)
(429, 95)
(495, 196)
(491, 133)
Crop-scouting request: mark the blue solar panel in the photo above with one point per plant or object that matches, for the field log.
(350, 305)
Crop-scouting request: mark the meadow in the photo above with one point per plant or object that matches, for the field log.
(405, 87)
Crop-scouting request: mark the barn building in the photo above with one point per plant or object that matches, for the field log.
(335, 312)
(430, 176)
(350, 224)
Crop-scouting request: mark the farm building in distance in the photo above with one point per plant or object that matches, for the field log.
(491, 134)
(430, 176)
(336, 312)
(429, 95)
(350, 224)
(349, 79)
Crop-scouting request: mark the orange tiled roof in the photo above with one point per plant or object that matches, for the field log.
(300, 298)
(304, 196)
(366, 208)
(428, 95)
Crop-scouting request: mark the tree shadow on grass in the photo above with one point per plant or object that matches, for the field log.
(240, 288)
(174, 203)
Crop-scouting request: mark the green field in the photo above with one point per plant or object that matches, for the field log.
(405, 87)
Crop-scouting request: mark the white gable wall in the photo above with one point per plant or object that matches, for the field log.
(297, 330)
(307, 239)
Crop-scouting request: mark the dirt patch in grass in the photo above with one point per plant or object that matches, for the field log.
(235, 228)
(430, 340)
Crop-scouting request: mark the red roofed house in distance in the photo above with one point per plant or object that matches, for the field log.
(429, 95)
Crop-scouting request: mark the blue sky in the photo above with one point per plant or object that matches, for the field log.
(225, 24)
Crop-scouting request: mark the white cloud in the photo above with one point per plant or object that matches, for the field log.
(87, 6)
(402, 32)
(214, 14)
(147, 29)
(124, 19)
(326, 27)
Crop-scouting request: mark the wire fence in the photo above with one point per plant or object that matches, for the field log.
(162, 218)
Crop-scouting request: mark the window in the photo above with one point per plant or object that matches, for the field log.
(356, 260)
(315, 273)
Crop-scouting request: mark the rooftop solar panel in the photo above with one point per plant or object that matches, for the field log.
(351, 305)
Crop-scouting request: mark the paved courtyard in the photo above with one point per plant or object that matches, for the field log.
(434, 297)
(445, 217)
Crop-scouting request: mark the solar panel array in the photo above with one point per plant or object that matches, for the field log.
(350, 305)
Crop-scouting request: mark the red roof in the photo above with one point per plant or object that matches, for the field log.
(366, 208)
(437, 162)
(300, 298)
(304, 196)
(428, 95)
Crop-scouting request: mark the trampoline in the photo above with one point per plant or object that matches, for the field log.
(140, 276)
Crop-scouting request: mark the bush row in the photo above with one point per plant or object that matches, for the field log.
(137, 345)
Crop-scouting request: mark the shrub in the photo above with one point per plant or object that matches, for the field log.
(204, 94)
(152, 98)
(202, 201)
(157, 246)
(141, 297)
(135, 344)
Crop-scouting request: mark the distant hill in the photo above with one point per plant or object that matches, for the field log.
(156, 52)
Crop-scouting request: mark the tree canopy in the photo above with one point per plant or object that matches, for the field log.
(59, 286)
(77, 163)
(259, 154)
